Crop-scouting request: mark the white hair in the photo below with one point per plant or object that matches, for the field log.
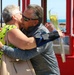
(9, 11)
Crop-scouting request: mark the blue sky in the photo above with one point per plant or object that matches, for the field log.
(9, 2)
(57, 6)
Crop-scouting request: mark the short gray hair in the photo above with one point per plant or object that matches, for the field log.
(38, 11)
(8, 12)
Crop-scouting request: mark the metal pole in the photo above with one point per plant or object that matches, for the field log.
(19, 4)
(44, 5)
(1, 13)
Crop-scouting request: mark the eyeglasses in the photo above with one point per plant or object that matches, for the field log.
(27, 19)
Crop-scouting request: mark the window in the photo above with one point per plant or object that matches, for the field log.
(38, 2)
(58, 8)
(8, 2)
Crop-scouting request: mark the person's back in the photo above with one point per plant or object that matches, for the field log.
(46, 62)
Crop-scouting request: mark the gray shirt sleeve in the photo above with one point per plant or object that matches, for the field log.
(20, 54)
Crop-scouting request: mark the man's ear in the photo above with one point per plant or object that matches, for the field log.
(13, 17)
(36, 22)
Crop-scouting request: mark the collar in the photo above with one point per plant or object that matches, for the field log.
(30, 29)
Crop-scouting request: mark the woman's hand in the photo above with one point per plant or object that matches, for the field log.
(49, 26)
(61, 34)
(1, 45)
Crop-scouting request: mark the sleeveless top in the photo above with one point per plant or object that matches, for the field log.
(10, 66)
(3, 32)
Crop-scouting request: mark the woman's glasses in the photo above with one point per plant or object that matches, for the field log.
(27, 19)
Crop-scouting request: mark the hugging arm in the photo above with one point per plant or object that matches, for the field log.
(44, 38)
(19, 54)
(41, 39)
(28, 54)
(22, 54)
(20, 40)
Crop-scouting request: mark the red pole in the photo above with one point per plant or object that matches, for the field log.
(25, 4)
(44, 5)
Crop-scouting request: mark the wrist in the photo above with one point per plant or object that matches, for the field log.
(1, 46)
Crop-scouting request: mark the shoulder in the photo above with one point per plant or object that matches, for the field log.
(9, 27)
(42, 29)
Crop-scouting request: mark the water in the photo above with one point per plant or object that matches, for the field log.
(60, 20)
(63, 24)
